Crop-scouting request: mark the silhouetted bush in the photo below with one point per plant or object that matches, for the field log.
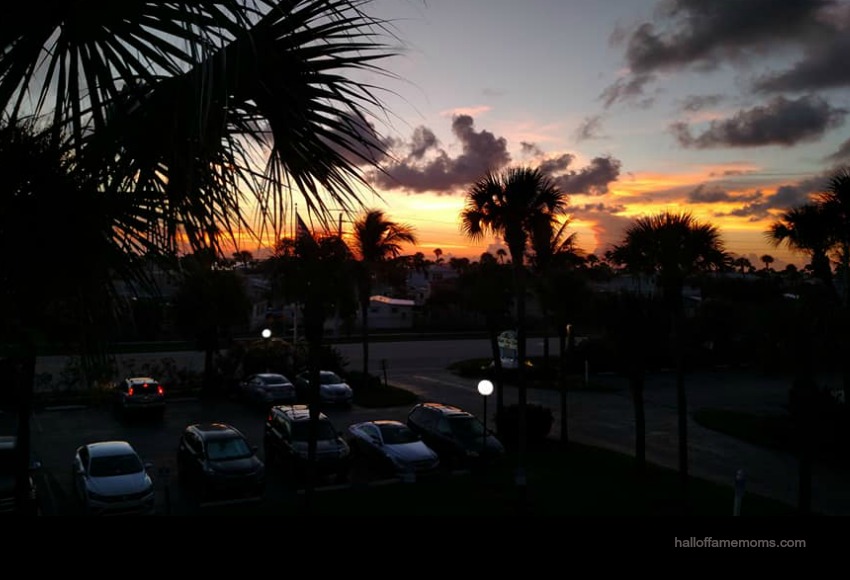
(538, 421)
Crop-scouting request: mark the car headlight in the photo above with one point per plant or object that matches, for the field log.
(97, 496)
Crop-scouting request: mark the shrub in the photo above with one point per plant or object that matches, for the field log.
(538, 421)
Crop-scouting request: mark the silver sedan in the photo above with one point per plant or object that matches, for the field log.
(392, 448)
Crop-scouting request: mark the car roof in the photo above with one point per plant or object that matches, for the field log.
(445, 409)
(214, 430)
(298, 412)
(270, 376)
(387, 423)
(107, 448)
(141, 380)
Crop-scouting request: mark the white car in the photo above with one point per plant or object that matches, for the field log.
(333, 390)
(110, 478)
(393, 448)
(269, 389)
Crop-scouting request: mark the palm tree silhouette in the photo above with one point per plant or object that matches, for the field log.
(376, 240)
(181, 112)
(673, 247)
(510, 205)
(805, 229)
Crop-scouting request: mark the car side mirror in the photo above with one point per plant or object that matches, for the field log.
(148, 465)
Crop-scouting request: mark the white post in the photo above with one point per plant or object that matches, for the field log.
(739, 492)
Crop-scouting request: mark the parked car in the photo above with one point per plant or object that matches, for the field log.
(139, 394)
(393, 448)
(268, 389)
(333, 390)
(219, 462)
(111, 479)
(287, 436)
(8, 465)
(457, 436)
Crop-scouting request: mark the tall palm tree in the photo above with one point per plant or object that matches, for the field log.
(552, 249)
(673, 247)
(805, 229)
(179, 113)
(376, 240)
(555, 260)
(510, 205)
(67, 296)
(208, 305)
(485, 288)
(835, 201)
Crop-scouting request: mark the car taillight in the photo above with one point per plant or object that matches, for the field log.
(130, 391)
(160, 390)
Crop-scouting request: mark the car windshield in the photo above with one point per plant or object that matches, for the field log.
(466, 427)
(228, 448)
(301, 431)
(272, 380)
(111, 465)
(330, 379)
(397, 434)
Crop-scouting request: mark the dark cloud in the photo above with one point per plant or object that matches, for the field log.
(781, 122)
(628, 89)
(701, 34)
(592, 179)
(715, 194)
(842, 155)
(712, 194)
(530, 149)
(704, 32)
(421, 142)
(589, 128)
(587, 209)
(481, 152)
(696, 103)
(824, 66)
(362, 143)
(785, 197)
(555, 165)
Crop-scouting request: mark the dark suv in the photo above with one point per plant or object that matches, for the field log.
(458, 437)
(219, 460)
(286, 440)
(139, 394)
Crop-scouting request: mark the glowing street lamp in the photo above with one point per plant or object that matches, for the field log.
(267, 334)
(485, 388)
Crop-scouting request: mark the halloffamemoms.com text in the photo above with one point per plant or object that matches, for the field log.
(710, 542)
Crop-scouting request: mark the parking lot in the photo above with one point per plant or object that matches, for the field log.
(58, 432)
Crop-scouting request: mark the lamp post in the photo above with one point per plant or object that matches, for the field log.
(267, 334)
(485, 388)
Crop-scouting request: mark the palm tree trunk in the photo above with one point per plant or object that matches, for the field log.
(681, 401)
(25, 378)
(364, 311)
(497, 371)
(314, 320)
(636, 384)
(522, 395)
(562, 381)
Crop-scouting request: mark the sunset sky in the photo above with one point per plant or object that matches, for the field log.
(732, 109)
